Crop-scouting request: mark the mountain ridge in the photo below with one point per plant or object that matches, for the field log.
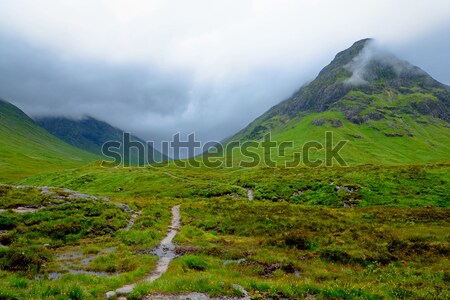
(89, 134)
(333, 83)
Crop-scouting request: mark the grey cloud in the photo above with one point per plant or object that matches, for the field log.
(152, 103)
(47, 83)
(155, 102)
(429, 52)
(375, 52)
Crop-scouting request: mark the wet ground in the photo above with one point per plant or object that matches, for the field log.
(165, 251)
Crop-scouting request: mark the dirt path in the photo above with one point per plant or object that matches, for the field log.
(250, 195)
(165, 251)
(177, 177)
(199, 296)
(133, 217)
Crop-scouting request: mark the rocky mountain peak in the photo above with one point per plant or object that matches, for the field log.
(368, 68)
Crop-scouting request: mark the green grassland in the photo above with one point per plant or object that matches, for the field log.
(421, 185)
(26, 148)
(295, 239)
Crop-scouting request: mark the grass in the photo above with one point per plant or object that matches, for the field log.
(27, 149)
(374, 142)
(292, 251)
(421, 185)
(82, 234)
(295, 239)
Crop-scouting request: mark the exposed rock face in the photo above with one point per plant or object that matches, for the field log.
(353, 83)
(365, 68)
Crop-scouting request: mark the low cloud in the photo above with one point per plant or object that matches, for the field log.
(374, 52)
(151, 102)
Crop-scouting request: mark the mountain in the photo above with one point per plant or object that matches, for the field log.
(90, 134)
(26, 148)
(389, 110)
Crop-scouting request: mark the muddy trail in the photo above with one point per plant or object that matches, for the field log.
(165, 251)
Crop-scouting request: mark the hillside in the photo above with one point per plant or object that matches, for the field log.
(388, 110)
(26, 148)
(89, 134)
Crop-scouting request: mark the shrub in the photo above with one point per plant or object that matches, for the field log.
(292, 239)
(334, 255)
(7, 223)
(75, 293)
(19, 283)
(297, 241)
(4, 189)
(91, 249)
(23, 259)
(194, 263)
(9, 295)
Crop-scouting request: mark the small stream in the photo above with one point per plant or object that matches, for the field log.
(250, 195)
(165, 251)
(131, 221)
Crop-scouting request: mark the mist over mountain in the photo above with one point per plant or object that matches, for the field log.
(351, 84)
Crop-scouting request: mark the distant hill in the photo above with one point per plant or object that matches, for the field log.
(390, 111)
(26, 148)
(89, 134)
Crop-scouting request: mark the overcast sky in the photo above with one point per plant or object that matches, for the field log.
(157, 67)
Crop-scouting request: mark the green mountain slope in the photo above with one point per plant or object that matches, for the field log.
(388, 110)
(26, 148)
(90, 134)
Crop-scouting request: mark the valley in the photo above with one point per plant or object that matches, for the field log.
(73, 225)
